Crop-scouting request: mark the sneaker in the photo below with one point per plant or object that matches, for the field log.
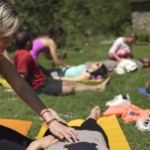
(119, 100)
(143, 124)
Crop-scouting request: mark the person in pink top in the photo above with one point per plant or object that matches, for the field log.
(121, 47)
(48, 46)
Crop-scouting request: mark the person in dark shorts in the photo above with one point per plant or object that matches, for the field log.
(91, 136)
(30, 71)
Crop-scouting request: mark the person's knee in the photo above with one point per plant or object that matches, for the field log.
(66, 82)
(68, 89)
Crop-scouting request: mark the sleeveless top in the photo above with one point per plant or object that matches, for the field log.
(37, 48)
(73, 71)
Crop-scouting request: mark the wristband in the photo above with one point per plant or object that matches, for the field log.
(52, 120)
(46, 110)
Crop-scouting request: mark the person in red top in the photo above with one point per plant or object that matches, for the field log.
(26, 65)
(30, 71)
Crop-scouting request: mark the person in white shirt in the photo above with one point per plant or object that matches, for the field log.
(121, 47)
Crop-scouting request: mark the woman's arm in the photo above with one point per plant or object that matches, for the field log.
(11, 75)
(5, 53)
(53, 48)
(114, 48)
(42, 143)
(83, 76)
(116, 57)
(26, 93)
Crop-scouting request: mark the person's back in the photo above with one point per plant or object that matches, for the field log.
(25, 64)
(37, 48)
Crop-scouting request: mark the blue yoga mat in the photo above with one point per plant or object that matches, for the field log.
(143, 91)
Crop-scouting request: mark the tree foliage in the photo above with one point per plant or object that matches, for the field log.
(75, 16)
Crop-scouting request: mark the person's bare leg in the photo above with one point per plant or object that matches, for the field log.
(56, 115)
(67, 88)
(147, 86)
(95, 113)
(100, 87)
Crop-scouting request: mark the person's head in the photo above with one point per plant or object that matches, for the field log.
(9, 23)
(56, 33)
(98, 69)
(24, 41)
(145, 61)
(82, 146)
(131, 38)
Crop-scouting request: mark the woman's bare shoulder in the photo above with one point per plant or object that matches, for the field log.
(47, 41)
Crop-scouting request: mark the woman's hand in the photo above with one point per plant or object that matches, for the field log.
(68, 66)
(62, 132)
(42, 143)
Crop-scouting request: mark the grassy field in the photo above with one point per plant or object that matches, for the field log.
(79, 104)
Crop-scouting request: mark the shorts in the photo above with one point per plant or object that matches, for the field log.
(50, 87)
(125, 53)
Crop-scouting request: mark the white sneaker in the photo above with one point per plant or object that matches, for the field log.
(119, 100)
(143, 124)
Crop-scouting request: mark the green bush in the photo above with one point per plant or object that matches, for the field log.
(75, 16)
(144, 35)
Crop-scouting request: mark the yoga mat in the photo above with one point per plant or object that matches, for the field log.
(117, 139)
(143, 91)
(43, 129)
(4, 83)
(17, 125)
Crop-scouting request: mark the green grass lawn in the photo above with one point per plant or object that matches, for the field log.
(80, 104)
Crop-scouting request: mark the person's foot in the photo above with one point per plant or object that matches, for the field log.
(147, 86)
(56, 115)
(95, 113)
(102, 87)
(9, 90)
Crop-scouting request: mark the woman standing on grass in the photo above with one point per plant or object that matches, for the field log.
(9, 23)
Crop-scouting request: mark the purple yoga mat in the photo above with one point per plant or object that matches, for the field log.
(143, 91)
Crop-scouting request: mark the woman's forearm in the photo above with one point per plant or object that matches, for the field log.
(20, 86)
(116, 57)
(42, 143)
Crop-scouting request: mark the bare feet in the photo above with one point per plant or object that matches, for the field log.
(56, 115)
(147, 86)
(102, 87)
(9, 90)
(95, 113)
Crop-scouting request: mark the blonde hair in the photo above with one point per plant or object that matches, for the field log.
(9, 18)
